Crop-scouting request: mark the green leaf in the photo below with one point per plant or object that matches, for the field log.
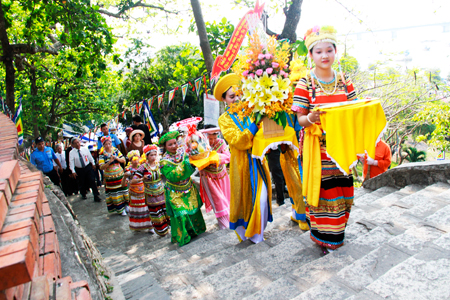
(301, 49)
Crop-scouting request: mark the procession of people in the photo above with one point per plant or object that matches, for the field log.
(152, 182)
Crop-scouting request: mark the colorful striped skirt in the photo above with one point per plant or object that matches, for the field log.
(328, 220)
(138, 213)
(116, 195)
(158, 215)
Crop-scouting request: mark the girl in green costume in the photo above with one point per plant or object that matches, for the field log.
(183, 201)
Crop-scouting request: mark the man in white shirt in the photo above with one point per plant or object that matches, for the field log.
(64, 172)
(82, 165)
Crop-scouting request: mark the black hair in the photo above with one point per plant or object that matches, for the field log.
(137, 118)
(103, 125)
(224, 95)
(310, 51)
(207, 126)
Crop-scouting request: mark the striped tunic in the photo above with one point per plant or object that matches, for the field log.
(154, 197)
(116, 194)
(328, 220)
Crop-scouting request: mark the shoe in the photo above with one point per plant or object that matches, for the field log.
(83, 197)
(127, 209)
(303, 225)
(124, 213)
(151, 231)
(97, 199)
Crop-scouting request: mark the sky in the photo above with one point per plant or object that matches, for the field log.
(407, 33)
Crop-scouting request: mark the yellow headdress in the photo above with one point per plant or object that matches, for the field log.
(320, 34)
(224, 84)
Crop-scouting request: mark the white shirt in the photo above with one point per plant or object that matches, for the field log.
(62, 159)
(74, 158)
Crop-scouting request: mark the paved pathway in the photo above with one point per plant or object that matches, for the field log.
(397, 247)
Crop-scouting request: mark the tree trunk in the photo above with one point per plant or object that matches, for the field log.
(293, 14)
(34, 92)
(292, 18)
(201, 28)
(8, 61)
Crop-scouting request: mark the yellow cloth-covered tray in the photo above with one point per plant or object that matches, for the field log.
(212, 158)
(261, 145)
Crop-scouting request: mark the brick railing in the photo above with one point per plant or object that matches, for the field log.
(30, 262)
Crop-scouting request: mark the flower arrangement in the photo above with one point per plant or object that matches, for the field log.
(266, 89)
(197, 144)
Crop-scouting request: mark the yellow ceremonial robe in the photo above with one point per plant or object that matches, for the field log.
(241, 206)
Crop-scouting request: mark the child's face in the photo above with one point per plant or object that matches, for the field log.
(171, 146)
(151, 157)
(323, 55)
(135, 161)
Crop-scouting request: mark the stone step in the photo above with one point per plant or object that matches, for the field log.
(133, 281)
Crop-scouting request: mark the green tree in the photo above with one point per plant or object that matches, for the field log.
(403, 95)
(414, 155)
(64, 88)
(171, 67)
(438, 115)
(30, 28)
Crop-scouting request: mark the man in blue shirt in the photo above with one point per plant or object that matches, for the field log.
(43, 158)
(105, 132)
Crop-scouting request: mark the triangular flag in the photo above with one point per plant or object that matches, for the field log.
(133, 109)
(18, 122)
(197, 86)
(151, 104)
(184, 91)
(160, 99)
(153, 129)
(137, 108)
(171, 94)
(140, 107)
(206, 86)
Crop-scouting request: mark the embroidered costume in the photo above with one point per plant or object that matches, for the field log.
(215, 185)
(183, 201)
(138, 210)
(116, 194)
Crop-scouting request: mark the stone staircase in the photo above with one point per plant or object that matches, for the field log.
(397, 246)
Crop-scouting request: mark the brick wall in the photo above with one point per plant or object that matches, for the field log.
(30, 263)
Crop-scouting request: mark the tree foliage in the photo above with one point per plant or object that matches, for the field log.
(403, 94)
(37, 27)
(171, 67)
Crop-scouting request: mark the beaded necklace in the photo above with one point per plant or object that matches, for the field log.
(320, 84)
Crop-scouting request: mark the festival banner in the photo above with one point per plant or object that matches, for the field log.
(152, 127)
(184, 91)
(116, 120)
(160, 99)
(197, 83)
(140, 106)
(18, 121)
(171, 95)
(124, 115)
(133, 109)
(441, 155)
(224, 62)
